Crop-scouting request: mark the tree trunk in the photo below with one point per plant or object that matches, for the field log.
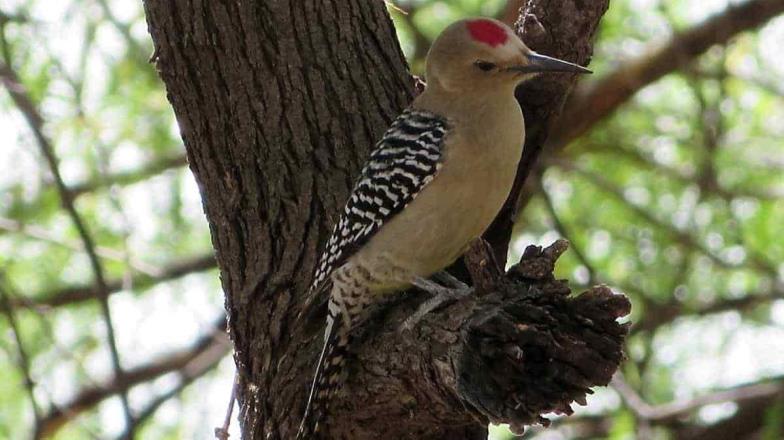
(279, 103)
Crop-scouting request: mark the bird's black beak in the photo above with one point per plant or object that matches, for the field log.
(543, 63)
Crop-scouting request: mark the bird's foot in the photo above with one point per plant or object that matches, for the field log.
(441, 295)
(448, 279)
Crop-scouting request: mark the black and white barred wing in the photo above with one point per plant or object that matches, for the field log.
(403, 162)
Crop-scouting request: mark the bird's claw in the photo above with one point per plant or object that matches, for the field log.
(441, 296)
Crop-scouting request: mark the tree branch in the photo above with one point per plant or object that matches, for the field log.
(753, 400)
(511, 11)
(658, 315)
(671, 412)
(191, 363)
(13, 18)
(152, 168)
(24, 362)
(149, 169)
(562, 230)
(521, 350)
(750, 417)
(25, 104)
(565, 30)
(187, 376)
(43, 234)
(138, 52)
(594, 101)
(683, 237)
(647, 162)
(77, 294)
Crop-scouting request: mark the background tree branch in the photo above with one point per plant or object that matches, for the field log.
(19, 95)
(190, 363)
(594, 101)
(81, 293)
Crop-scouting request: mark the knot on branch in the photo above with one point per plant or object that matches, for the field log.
(529, 27)
(533, 349)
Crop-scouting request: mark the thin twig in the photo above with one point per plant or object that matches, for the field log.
(648, 163)
(35, 121)
(669, 412)
(594, 101)
(200, 366)
(659, 314)
(561, 228)
(222, 433)
(420, 40)
(63, 355)
(13, 18)
(125, 30)
(43, 234)
(60, 352)
(185, 381)
(150, 169)
(208, 348)
(682, 236)
(24, 361)
(79, 293)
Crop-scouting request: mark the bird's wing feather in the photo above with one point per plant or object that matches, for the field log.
(403, 162)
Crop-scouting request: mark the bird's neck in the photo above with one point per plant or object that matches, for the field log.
(476, 102)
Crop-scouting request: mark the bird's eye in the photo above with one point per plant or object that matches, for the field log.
(484, 66)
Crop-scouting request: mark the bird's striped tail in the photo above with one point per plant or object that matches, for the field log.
(327, 378)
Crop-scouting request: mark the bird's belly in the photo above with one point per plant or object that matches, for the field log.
(436, 228)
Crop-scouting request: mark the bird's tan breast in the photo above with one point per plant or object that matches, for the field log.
(479, 165)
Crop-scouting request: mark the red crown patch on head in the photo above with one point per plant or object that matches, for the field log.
(488, 32)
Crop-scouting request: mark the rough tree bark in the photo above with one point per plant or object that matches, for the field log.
(563, 29)
(279, 103)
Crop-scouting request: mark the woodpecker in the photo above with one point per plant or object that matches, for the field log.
(433, 183)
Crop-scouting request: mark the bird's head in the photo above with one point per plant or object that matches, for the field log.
(480, 53)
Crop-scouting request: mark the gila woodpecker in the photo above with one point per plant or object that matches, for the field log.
(433, 183)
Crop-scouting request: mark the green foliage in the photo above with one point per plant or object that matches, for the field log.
(774, 422)
(622, 426)
(675, 199)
